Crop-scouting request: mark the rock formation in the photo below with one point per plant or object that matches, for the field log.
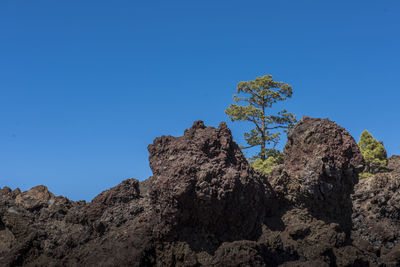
(206, 206)
(322, 162)
(203, 182)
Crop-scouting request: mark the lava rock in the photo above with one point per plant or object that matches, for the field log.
(321, 166)
(206, 206)
(203, 181)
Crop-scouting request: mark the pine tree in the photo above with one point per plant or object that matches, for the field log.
(373, 151)
(260, 95)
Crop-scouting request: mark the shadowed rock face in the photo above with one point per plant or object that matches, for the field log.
(205, 206)
(376, 215)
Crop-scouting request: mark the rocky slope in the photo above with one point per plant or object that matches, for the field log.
(206, 206)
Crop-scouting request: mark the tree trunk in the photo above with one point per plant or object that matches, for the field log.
(263, 143)
(263, 134)
(263, 149)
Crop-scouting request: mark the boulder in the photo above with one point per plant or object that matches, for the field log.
(35, 198)
(321, 166)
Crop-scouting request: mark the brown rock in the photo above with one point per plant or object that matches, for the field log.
(203, 182)
(321, 167)
(376, 215)
(205, 206)
(35, 198)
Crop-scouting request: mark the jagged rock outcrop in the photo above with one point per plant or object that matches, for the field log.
(203, 186)
(205, 206)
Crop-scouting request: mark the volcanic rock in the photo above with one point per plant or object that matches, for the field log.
(322, 162)
(206, 206)
(203, 182)
(376, 215)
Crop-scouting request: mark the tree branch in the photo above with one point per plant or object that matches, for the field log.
(249, 146)
(255, 122)
(276, 127)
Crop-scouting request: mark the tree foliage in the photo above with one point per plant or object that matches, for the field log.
(266, 166)
(364, 175)
(373, 151)
(258, 96)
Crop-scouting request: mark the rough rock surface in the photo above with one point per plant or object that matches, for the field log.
(376, 215)
(322, 162)
(205, 206)
(203, 186)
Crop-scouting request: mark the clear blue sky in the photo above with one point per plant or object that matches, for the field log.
(85, 86)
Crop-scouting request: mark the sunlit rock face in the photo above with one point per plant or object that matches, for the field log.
(323, 161)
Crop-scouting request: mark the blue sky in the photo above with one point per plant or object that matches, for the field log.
(85, 86)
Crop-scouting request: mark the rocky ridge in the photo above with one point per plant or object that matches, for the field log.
(206, 206)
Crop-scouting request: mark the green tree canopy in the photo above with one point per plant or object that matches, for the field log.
(373, 151)
(260, 95)
(266, 166)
